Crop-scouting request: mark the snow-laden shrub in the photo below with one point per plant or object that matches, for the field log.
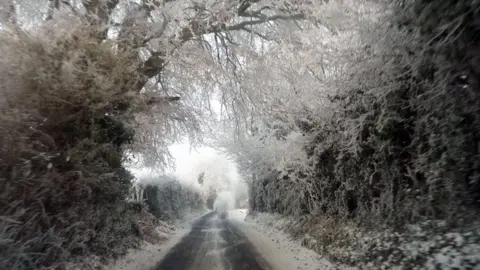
(397, 142)
(169, 199)
(404, 145)
(275, 167)
(67, 102)
(394, 143)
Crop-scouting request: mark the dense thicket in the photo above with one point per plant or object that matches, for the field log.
(404, 141)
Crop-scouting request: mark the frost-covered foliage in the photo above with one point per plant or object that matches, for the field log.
(167, 198)
(66, 104)
(393, 138)
(295, 90)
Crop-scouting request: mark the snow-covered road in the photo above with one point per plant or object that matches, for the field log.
(212, 243)
(231, 244)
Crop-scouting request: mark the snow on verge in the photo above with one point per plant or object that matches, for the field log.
(276, 247)
(148, 255)
(427, 245)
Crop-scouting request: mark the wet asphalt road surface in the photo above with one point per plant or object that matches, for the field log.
(213, 244)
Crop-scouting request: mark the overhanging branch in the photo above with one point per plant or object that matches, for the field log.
(245, 5)
(251, 31)
(52, 6)
(155, 64)
(8, 12)
(98, 10)
(242, 25)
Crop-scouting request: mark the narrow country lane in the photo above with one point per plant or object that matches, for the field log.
(214, 244)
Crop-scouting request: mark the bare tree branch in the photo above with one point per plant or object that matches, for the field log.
(150, 6)
(244, 5)
(72, 9)
(242, 25)
(52, 6)
(161, 99)
(255, 13)
(193, 30)
(98, 10)
(8, 12)
(251, 31)
(13, 13)
(153, 66)
(158, 32)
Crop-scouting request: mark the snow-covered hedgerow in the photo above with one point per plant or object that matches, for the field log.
(168, 199)
(397, 141)
(396, 144)
(66, 105)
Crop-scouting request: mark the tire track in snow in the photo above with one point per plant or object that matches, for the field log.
(183, 255)
(213, 244)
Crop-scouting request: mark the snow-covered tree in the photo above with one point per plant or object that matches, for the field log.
(187, 50)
